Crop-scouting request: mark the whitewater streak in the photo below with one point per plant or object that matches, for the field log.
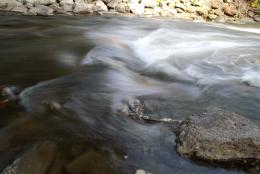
(206, 56)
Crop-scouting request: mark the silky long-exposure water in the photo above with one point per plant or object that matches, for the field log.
(90, 66)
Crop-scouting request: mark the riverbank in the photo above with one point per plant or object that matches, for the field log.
(218, 10)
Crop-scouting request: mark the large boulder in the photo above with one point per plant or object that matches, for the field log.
(219, 136)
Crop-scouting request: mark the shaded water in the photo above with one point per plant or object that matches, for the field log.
(91, 65)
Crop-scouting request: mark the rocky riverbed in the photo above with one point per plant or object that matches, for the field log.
(217, 10)
(81, 95)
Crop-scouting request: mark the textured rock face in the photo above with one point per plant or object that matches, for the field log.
(219, 136)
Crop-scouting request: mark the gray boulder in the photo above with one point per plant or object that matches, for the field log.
(219, 136)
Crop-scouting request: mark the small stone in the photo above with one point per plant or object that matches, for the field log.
(121, 8)
(212, 16)
(250, 13)
(56, 8)
(40, 2)
(43, 10)
(217, 4)
(230, 9)
(52, 105)
(32, 11)
(247, 20)
(82, 7)
(101, 6)
(179, 10)
(140, 171)
(218, 12)
(137, 8)
(165, 13)
(112, 4)
(29, 5)
(257, 18)
(191, 9)
(67, 8)
(172, 4)
(180, 6)
(150, 3)
(202, 11)
(66, 2)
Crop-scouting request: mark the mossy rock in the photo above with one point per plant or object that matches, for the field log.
(255, 4)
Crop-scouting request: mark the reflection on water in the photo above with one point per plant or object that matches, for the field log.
(88, 67)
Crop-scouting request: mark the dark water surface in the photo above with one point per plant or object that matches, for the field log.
(91, 65)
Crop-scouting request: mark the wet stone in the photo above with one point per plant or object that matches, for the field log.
(219, 136)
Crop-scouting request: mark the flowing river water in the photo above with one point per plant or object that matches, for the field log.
(91, 65)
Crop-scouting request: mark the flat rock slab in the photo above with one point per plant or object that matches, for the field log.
(219, 136)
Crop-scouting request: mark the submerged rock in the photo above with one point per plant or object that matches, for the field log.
(132, 108)
(9, 94)
(35, 161)
(92, 162)
(219, 136)
(52, 106)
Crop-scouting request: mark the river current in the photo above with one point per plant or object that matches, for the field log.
(92, 65)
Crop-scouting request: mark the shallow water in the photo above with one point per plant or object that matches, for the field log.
(91, 65)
